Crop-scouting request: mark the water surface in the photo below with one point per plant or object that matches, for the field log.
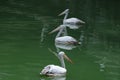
(24, 42)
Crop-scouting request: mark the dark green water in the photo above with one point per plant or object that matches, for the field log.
(24, 39)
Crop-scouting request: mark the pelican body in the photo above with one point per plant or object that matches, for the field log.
(55, 70)
(66, 40)
(72, 23)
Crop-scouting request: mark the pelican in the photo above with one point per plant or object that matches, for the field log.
(64, 39)
(55, 70)
(72, 23)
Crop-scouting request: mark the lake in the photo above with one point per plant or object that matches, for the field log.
(25, 40)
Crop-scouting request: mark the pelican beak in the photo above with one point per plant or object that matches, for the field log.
(61, 13)
(67, 58)
(56, 29)
(66, 11)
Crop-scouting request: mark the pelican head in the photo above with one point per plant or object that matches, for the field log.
(62, 54)
(64, 12)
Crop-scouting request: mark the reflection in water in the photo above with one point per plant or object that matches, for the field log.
(44, 30)
(43, 34)
(55, 78)
(108, 62)
(59, 78)
(102, 63)
(64, 46)
(81, 39)
(71, 26)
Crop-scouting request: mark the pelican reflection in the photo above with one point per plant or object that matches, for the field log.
(55, 78)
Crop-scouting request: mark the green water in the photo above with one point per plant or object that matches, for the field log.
(24, 41)
(23, 54)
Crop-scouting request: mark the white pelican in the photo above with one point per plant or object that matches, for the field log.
(64, 39)
(72, 23)
(54, 70)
